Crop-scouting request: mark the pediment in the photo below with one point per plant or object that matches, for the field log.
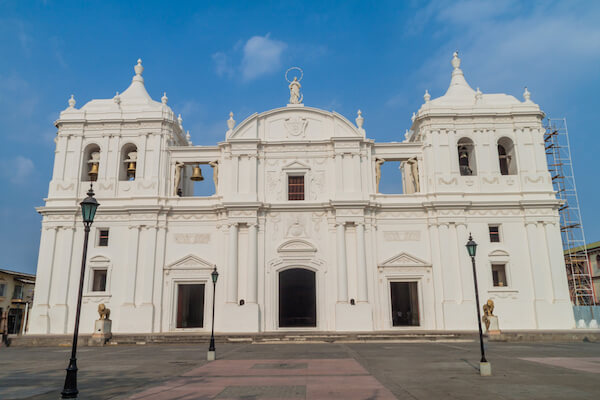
(99, 259)
(404, 260)
(296, 246)
(296, 165)
(295, 123)
(498, 253)
(190, 262)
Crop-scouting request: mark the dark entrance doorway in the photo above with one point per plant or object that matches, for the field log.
(405, 303)
(297, 298)
(190, 306)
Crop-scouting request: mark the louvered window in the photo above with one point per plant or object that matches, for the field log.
(296, 188)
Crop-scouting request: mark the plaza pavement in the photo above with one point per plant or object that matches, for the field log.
(384, 370)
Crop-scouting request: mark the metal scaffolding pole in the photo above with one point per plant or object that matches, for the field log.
(558, 154)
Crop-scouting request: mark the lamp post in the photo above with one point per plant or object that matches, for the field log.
(88, 210)
(485, 368)
(210, 356)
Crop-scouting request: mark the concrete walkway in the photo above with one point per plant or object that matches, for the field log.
(440, 370)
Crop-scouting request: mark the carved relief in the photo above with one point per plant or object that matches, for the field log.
(491, 181)
(295, 126)
(192, 238)
(317, 184)
(274, 184)
(296, 227)
(402, 236)
(60, 187)
(443, 181)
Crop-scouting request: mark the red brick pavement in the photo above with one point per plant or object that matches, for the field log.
(343, 379)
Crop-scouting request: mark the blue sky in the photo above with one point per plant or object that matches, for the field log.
(216, 57)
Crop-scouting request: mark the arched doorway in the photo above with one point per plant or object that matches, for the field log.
(297, 298)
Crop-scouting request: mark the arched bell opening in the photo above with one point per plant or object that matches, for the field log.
(129, 162)
(506, 157)
(466, 157)
(297, 298)
(91, 163)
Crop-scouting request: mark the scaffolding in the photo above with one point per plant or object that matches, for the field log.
(558, 154)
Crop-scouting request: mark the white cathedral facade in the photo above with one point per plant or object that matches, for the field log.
(297, 229)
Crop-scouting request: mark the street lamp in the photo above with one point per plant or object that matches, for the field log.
(210, 356)
(88, 210)
(485, 369)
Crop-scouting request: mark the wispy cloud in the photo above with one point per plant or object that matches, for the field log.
(508, 44)
(20, 169)
(260, 55)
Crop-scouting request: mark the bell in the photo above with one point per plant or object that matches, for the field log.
(93, 173)
(131, 170)
(197, 174)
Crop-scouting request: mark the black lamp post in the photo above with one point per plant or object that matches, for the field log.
(211, 348)
(88, 210)
(472, 249)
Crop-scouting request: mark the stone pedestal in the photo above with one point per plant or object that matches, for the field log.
(211, 355)
(102, 332)
(485, 369)
(494, 326)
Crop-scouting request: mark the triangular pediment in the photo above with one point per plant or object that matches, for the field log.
(296, 246)
(404, 260)
(190, 262)
(295, 165)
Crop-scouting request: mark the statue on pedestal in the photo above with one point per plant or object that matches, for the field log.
(489, 319)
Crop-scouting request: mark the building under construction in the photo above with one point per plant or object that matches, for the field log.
(558, 153)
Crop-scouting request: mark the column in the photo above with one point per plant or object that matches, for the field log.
(44, 274)
(339, 171)
(149, 255)
(232, 270)
(252, 290)
(464, 262)
(342, 266)
(361, 263)
(132, 262)
(539, 289)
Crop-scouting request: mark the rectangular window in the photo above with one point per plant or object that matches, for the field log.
(499, 275)
(296, 188)
(2, 289)
(103, 237)
(99, 280)
(18, 292)
(494, 233)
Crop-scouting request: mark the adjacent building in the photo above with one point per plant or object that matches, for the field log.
(16, 297)
(297, 228)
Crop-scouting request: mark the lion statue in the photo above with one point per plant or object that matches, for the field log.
(103, 311)
(488, 311)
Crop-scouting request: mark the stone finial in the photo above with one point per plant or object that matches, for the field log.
(455, 60)
(230, 121)
(188, 137)
(139, 68)
(427, 96)
(407, 135)
(527, 95)
(117, 99)
(72, 102)
(478, 95)
(180, 120)
(413, 117)
(164, 98)
(359, 119)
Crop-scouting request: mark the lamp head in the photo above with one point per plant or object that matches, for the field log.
(88, 207)
(471, 246)
(214, 275)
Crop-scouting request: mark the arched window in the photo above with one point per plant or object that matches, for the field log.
(128, 165)
(506, 156)
(91, 163)
(466, 157)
